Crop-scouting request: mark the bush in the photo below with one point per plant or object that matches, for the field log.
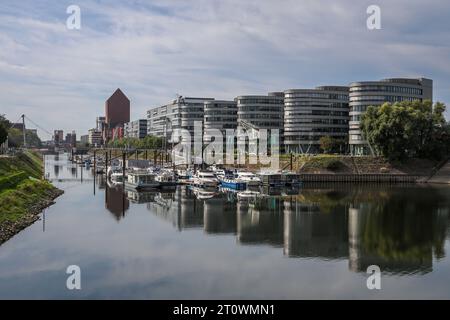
(334, 165)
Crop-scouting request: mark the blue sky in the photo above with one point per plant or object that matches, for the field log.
(153, 50)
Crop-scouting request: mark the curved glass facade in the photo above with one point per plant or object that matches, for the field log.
(310, 114)
(221, 115)
(264, 112)
(375, 93)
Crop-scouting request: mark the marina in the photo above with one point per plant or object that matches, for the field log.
(266, 243)
(144, 174)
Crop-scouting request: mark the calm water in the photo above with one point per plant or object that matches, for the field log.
(316, 243)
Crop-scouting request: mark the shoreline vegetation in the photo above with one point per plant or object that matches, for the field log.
(340, 164)
(23, 192)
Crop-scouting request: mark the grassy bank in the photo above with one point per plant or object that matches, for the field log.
(329, 164)
(23, 194)
(28, 162)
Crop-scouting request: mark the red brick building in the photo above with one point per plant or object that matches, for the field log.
(117, 112)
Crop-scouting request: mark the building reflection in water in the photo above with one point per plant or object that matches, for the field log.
(399, 230)
(260, 221)
(56, 169)
(73, 171)
(219, 215)
(116, 201)
(310, 232)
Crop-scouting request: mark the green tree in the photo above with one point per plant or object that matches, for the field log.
(5, 124)
(329, 144)
(326, 144)
(3, 133)
(406, 129)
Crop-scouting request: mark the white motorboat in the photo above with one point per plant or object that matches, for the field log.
(251, 179)
(205, 179)
(113, 169)
(166, 178)
(184, 174)
(218, 172)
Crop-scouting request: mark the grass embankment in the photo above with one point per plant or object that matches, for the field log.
(329, 164)
(23, 194)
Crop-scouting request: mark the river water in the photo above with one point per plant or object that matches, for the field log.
(316, 243)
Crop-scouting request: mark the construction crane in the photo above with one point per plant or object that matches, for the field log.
(254, 129)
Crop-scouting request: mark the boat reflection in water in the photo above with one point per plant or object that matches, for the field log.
(372, 225)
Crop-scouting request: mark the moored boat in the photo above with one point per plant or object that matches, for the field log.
(205, 179)
(249, 178)
(232, 182)
(183, 174)
(141, 180)
(166, 178)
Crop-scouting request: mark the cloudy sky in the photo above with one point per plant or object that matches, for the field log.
(153, 50)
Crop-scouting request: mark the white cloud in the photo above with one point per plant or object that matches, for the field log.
(212, 48)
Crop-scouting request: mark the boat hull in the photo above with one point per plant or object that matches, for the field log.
(233, 185)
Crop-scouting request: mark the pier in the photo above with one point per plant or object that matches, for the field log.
(371, 178)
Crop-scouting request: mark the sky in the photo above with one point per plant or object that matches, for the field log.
(154, 50)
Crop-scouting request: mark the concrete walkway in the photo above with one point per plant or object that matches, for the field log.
(442, 176)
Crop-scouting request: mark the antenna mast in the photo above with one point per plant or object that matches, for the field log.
(23, 129)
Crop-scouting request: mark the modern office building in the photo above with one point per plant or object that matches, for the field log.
(58, 137)
(101, 126)
(220, 115)
(375, 93)
(100, 123)
(310, 114)
(262, 112)
(71, 139)
(256, 112)
(181, 113)
(95, 137)
(84, 139)
(117, 112)
(136, 129)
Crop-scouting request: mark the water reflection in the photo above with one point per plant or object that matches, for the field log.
(398, 229)
(402, 229)
(310, 243)
(401, 232)
(56, 169)
(116, 201)
(73, 171)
